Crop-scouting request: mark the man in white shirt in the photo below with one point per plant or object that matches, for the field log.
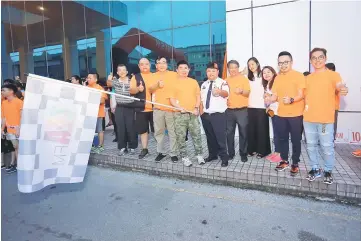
(214, 95)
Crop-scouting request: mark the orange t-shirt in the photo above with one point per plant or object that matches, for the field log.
(186, 92)
(320, 97)
(234, 100)
(288, 85)
(162, 95)
(148, 80)
(101, 112)
(11, 111)
(337, 101)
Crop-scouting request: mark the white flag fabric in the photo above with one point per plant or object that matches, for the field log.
(57, 130)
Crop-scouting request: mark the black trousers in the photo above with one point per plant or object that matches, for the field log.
(214, 126)
(112, 117)
(127, 135)
(286, 126)
(237, 117)
(258, 132)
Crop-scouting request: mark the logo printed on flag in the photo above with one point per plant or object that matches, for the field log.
(56, 135)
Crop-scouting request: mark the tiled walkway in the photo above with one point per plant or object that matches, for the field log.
(256, 173)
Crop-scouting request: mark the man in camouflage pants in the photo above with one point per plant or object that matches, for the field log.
(186, 96)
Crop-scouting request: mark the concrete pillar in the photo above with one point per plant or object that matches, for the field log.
(103, 48)
(6, 62)
(26, 61)
(70, 58)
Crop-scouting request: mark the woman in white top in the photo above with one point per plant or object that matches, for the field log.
(268, 77)
(258, 123)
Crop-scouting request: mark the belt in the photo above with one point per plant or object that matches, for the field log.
(205, 113)
(243, 108)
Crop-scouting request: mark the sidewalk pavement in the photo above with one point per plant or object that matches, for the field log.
(256, 173)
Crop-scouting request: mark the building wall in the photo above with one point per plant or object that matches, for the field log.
(263, 28)
(177, 29)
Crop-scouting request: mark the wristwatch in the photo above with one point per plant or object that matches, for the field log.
(292, 100)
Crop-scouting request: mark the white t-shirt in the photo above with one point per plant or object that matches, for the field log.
(255, 99)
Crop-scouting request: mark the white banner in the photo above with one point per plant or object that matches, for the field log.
(57, 130)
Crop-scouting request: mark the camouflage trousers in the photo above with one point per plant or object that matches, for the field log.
(184, 121)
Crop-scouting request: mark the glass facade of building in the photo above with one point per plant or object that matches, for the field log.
(59, 39)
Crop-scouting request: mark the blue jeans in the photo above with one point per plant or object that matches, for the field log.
(324, 133)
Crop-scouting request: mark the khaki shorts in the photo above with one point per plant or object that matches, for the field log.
(14, 140)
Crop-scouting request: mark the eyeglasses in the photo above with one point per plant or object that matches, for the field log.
(321, 57)
(283, 63)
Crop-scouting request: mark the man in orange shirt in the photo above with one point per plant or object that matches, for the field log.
(288, 90)
(319, 115)
(187, 96)
(139, 87)
(92, 80)
(164, 117)
(236, 113)
(10, 119)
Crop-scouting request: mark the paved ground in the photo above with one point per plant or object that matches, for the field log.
(113, 206)
(255, 172)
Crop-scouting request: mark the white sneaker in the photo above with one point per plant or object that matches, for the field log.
(131, 151)
(186, 162)
(201, 160)
(121, 152)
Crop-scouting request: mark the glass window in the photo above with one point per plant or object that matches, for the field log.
(40, 62)
(157, 44)
(74, 20)
(218, 10)
(154, 15)
(127, 51)
(55, 64)
(128, 11)
(187, 48)
(218, 45)
(190, 12)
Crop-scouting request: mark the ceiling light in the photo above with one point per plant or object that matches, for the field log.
(41, 8)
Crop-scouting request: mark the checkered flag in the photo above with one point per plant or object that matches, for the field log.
(57, 131)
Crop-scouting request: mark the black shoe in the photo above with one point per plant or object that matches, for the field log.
(328, 179)
(159, 157)
(224, 163)
(174, 159)
(3, 167)
(209, 159)
(244, 158)
(115, 140)
(11, 170)
(143, 153)
(231, 157)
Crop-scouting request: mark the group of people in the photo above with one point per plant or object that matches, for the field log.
(296, 103)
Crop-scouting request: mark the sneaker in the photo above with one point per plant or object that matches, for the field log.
(3, 166)
(131, 151)
(270, 156)
(174, 159)
(186, 162)
(115, 140)
(276, 158)
(8, 167)
(209, 159)
(356, 153)
(283, 165)
(201, 160)
(294, 170)
(244, 159)
(224, 163)
(122, 152)
(159, 157)
(143, 153)
(94, 149)
(11, 170)
(328, 179)
(313, 174)
(100, 149)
